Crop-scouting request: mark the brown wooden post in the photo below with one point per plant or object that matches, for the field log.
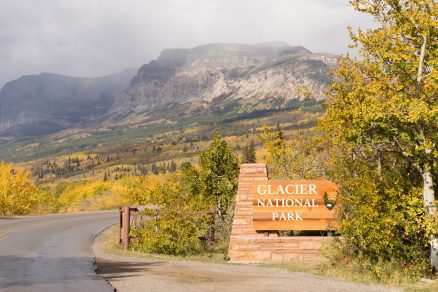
(120, 225)
(125, 227)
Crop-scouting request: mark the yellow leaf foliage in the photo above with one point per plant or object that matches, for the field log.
(97, 195)
(17, 190)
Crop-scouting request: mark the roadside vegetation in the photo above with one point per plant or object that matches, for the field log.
(382, 116)
(377, 141)
(195, 206)
(16, 186)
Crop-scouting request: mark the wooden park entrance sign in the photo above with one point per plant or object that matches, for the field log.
(264, 206)
(294, 205)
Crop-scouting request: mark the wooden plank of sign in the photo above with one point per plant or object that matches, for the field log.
(314, 217)
(267, 216)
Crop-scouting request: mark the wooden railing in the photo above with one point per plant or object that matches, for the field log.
(127, 217)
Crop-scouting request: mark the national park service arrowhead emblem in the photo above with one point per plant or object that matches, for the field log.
(330, 199)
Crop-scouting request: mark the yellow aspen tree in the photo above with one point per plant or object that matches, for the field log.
(386, 99)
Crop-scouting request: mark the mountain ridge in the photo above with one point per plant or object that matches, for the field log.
(210, 79)
(242, 77)
(48, 102)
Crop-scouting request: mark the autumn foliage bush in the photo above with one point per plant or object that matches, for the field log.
(382, 219)
(195, 204)
(176, 227)
(18, 192)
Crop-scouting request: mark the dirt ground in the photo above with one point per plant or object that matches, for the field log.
(132, 273)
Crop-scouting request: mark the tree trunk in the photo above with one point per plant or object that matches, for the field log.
(428, 191)
(429, 203)
(379, 166)
(219, 212)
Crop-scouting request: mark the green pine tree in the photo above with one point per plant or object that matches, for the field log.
(249, 155)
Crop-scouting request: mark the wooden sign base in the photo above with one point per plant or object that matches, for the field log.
(249, 246)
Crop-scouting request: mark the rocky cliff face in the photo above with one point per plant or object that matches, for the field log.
(235, 77)
(39, 104)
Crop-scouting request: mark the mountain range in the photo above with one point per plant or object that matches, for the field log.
(208, 80)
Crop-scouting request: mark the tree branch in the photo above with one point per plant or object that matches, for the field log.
(420, 66)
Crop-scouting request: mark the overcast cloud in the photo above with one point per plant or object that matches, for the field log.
(98, 37)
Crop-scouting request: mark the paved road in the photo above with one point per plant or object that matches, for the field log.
(51, 253)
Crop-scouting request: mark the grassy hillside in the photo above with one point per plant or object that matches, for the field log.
(133, 149)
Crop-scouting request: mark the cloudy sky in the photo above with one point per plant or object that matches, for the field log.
(98, 37)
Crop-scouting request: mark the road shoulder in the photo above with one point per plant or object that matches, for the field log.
(135, 273)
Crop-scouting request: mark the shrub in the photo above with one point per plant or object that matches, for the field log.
(17, 190)
(176, 227)
(383, 219)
